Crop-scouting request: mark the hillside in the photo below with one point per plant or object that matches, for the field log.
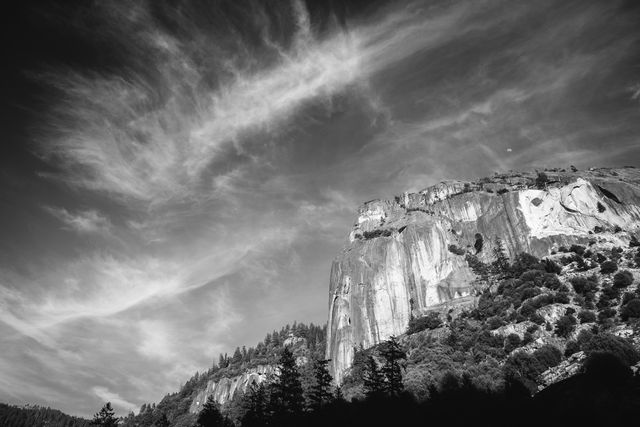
(37, 416)
(231, 377)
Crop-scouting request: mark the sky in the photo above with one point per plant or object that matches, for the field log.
(177, 176)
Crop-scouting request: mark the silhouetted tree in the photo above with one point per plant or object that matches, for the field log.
(373, 379)
(210, 415)
(391, 369)
(287, 396)
(255, 403)
(321, 389)
(106, 417)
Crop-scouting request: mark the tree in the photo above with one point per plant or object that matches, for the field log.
(541, 180)
(500, 266)
(106, 417)
(391, 369)
(373, 379)
(161, 421)
(210, 415)
(321, 389)
(287, 396)
(255, 406)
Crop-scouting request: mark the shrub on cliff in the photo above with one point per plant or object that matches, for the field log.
(586, 316)
(548, 356)
(524, 262)
(565, 326)
(622, 279)
(571, 348)
(512, 342)
(541, 180)
(430, 321)
(630, 309)
(608, 267)
(583, 285)
(551, 266)
(456, 250)
(617, 346)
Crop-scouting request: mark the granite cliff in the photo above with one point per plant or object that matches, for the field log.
(406, 256)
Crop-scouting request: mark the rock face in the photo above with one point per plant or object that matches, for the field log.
(224, 389)
(407, 256)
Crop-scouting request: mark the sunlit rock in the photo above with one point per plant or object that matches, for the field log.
(407, 256)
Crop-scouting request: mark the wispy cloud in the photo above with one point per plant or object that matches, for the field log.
(89, 221)
(118, 402)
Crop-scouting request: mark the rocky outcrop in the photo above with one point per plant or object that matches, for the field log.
(407, 256)
(224, 389)
(564, 370)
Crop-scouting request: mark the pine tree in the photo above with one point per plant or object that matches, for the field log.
(392, 354)
(287, 389)
(255, 406)
(373, 380)
(106, 417)
(500, 266)
(210, 415)
(321, 390)
(161, 421)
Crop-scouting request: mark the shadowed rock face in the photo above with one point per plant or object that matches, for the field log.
(399, 259)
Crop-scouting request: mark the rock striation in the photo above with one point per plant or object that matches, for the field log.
(406, 256)
(224, 389)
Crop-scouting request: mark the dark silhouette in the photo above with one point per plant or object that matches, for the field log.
(106, 417)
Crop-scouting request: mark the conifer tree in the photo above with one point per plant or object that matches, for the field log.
(210, 415)
(500, 266)
(161, 421)
(287, 396)
(255, 406)
(321, 389)
(106, 417)
(373, 379)
(392, 371)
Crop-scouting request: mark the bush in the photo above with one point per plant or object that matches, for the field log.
(551, 266)
(565, 326)
(611, 344)
(456, 250)
(494, 322)
(605, 314)
(587, 316)
(524, 367)
(512, 342)
(630, 309)
(578, 249)
(571, 347)
(430, 321)
(524, 262)
(561, 298)
(603, 302)
(622, 279)
(548, 356)
(541, 180)
(608, 267)
(582, 285)
(537, 319)
(611, 292)
(628, 296)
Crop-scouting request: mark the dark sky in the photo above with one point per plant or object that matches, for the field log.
(177, 176)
